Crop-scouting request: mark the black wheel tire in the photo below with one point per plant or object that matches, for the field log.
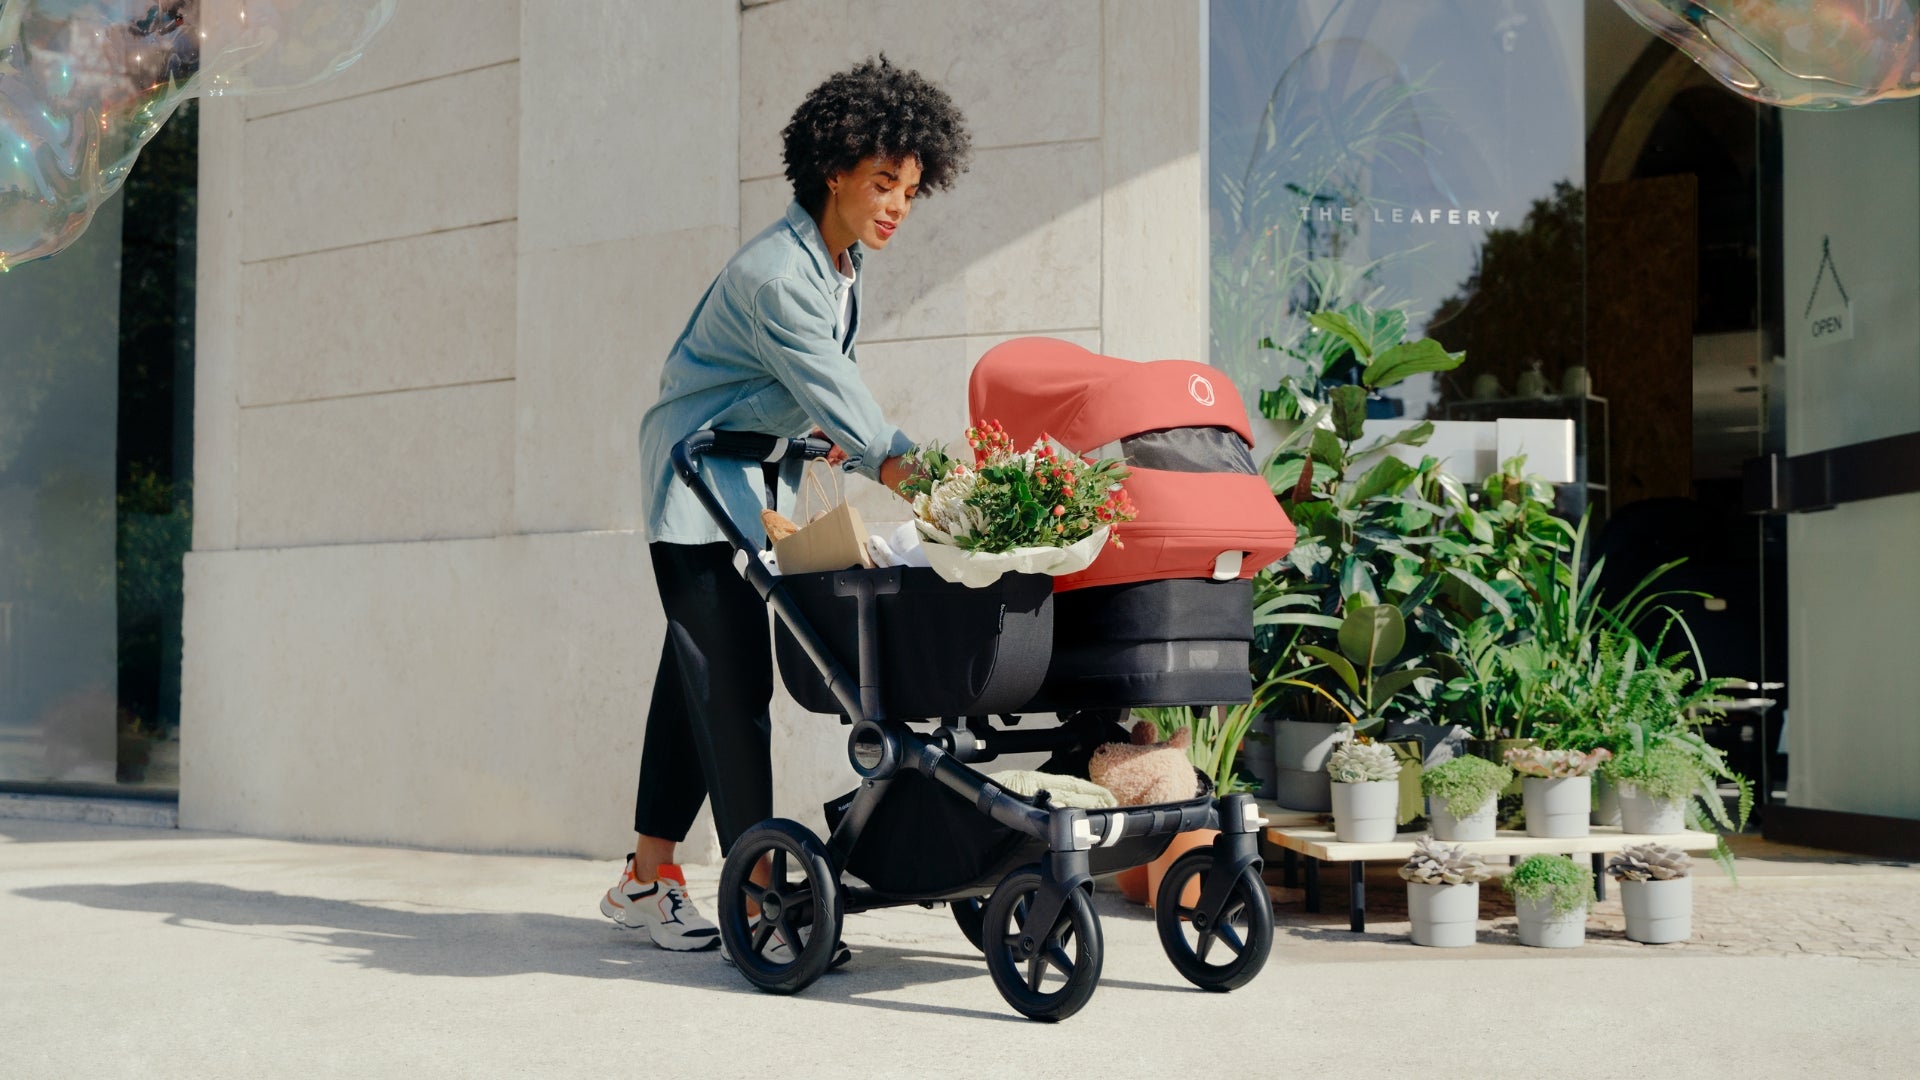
(803, 902)
(970, 915)
(1244, 931)
(1071, 950)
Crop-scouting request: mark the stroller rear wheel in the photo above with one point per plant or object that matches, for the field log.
(791, 942)
(969, 914)
(1044, 973)
(1220, 950)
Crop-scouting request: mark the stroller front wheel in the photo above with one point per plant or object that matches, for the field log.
(791, 941)
(1221, 950)
(1044, 973)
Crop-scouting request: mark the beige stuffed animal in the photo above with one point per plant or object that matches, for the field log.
(1143, 771)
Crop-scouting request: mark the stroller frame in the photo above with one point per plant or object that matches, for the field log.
(881, 748)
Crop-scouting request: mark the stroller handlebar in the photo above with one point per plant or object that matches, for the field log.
(750, 445)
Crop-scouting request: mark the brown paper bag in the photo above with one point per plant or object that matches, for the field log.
(834, 540)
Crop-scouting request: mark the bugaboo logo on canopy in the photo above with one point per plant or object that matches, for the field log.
(1201, 389)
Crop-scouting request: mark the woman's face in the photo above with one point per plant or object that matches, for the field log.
(869, 201)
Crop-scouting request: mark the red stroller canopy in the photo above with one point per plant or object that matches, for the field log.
(1043, 385)
(1217, 523)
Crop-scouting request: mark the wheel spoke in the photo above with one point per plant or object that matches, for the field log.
(779, 867)
(792, 934)
(1226, 932)
(1187, 913)
(1057, 956)
(1036, 969)
(1203, 946)
(761, 932)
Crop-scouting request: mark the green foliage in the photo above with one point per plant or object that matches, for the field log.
(1350, 353)
(1662, 772)
(1464, 784)
(1553, 879)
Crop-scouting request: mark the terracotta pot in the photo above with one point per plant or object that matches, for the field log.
(1132, 883)
(1157, 869)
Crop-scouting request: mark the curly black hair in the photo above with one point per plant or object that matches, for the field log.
(874, 109)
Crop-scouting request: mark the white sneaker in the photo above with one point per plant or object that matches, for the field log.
(661, 907)
(778, 953)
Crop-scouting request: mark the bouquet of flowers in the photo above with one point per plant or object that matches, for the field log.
(1045, 509)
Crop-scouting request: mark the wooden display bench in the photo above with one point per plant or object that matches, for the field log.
(1317, 845)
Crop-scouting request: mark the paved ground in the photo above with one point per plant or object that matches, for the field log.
(146, 953)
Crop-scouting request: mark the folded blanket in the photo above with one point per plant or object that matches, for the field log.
(1065, 790)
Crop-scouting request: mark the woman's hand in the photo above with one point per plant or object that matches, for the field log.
(836, 457)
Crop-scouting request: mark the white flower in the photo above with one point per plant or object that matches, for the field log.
(946, 508)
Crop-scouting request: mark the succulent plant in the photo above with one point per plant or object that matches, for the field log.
(1358, 762)
(1434, 863)
(1650, 862)
(1555, 764)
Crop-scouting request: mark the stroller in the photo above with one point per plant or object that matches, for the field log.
(891, 650)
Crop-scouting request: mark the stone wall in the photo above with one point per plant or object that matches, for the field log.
(434, 297)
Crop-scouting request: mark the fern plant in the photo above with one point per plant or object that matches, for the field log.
(1627, 702)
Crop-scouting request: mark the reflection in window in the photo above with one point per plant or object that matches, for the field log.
(1426, 159)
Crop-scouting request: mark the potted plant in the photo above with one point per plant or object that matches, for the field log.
(1656, 892)
(1654, 785)
(1361, 515)
(1550, 896)
(1366, 791)
(1462, 794)
(1557, 788)
(1443, 894)
(1635, 698)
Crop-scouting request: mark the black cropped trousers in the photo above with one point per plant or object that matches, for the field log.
(707, 727)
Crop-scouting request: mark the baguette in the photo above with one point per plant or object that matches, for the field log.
(777, 525)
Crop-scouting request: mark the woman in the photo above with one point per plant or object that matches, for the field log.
(769, 348)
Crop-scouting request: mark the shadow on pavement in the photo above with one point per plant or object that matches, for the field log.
(413, 940)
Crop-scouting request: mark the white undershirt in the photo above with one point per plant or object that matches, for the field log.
(845, 292)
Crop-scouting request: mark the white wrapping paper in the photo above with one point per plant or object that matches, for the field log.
(977, 570)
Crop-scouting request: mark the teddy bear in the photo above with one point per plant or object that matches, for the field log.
(1142, 771)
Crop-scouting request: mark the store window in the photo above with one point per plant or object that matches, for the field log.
(1586, 214)
(96, 440)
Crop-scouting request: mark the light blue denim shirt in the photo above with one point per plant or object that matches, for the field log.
(764, 351)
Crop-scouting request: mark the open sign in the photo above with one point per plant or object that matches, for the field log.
(1829, 323)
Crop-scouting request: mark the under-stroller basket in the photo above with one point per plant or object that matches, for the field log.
(945, 649)
(926, 841)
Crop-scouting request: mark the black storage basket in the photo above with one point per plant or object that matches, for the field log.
(1176, 641)
(945, 649)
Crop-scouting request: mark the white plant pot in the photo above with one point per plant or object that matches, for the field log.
(1606, 802)
(1658, 911)
(1557, 807)
(1366, 813)
(1542, 929)
(1444, 916)
(1475, 826)
(1642, 813)
(1300, 752)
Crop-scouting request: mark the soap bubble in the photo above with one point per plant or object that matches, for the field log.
(85, 83)
(1801, 54)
